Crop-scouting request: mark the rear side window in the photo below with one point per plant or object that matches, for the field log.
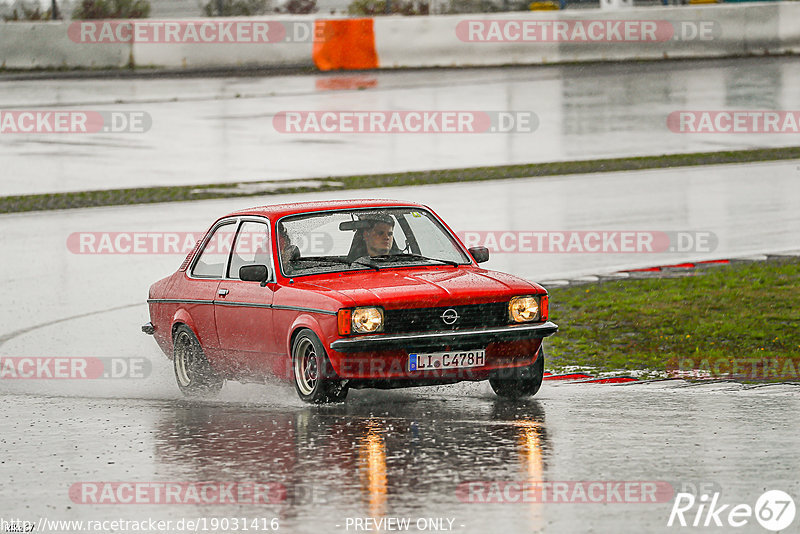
(214, 257)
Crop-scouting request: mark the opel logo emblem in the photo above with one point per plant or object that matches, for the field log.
(449, 316)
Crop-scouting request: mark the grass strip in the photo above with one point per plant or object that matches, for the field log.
(743, 314)
(148, 195)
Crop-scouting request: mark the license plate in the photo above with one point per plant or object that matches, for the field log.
(447, 360)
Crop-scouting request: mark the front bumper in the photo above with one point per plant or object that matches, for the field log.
(455, 339)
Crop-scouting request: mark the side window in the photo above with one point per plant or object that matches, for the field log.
(214, 256)
(251, 248)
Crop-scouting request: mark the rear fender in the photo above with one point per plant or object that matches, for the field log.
(182, 317)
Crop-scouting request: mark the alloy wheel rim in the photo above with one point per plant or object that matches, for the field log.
(183, 359)
(306, 370)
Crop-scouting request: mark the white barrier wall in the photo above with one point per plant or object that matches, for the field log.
(434, 41)
(789, 27)
(699, 31)
(293, 50)
(32, 45)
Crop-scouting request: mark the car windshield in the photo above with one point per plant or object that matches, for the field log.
(363, 239)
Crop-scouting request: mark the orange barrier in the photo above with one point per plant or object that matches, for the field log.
(347, 44)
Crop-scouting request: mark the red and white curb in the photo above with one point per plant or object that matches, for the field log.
(668, 270)
(661, 271)
(583, 378)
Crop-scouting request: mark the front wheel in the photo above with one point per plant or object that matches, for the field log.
(314, 378)
(519, 382)
(193, 373)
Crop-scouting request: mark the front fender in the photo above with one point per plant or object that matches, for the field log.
(305, 320)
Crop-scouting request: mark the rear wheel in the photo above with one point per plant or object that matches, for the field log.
(193, 373)
(314, 377)
(519, 382)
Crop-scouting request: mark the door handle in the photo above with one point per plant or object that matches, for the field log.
(222, 292)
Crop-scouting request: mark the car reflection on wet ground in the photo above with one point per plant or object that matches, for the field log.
(358, 459)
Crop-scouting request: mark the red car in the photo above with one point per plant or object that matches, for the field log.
(346, 294)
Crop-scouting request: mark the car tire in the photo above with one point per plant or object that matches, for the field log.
(194, 374)
(519, 382)
(314, 378)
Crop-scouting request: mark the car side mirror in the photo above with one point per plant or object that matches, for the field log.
(254, 273)
(481, 254)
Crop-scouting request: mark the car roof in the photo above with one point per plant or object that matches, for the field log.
(276, 211)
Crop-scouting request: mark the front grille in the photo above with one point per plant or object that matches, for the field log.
(430, 319)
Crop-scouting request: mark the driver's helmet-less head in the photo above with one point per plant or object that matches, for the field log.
(373, 218)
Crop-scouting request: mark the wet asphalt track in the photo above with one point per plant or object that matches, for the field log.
(406, 454)
(385, 454)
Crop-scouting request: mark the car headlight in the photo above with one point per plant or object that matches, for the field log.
(523, 309)
(360, 321)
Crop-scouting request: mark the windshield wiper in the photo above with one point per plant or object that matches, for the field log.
(408, 256)
(338, 260)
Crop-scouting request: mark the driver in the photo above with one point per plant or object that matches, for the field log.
(286, 249)
(379, 235)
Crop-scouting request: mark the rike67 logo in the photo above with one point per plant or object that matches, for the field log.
(774, 510)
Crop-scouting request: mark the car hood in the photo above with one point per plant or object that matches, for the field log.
(411, 288)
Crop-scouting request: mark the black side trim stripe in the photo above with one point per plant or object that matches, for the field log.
(179, 301)
(300, 308)
(243, 304)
